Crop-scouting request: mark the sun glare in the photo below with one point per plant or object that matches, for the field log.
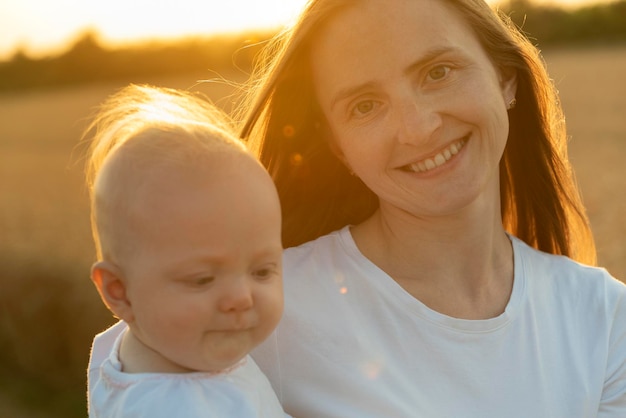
(40, 28)
(48, 27)
(123, 21)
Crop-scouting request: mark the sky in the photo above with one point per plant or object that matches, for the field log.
(47, 27)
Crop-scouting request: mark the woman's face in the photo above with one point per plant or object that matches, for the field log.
(416, 108)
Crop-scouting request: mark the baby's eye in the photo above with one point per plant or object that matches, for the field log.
(439, 72)
(264, 272)
(202, 281)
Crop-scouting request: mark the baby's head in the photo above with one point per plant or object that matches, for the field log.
(187, 229)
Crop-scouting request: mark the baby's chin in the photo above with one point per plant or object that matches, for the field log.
(227, 354)
(223, 365)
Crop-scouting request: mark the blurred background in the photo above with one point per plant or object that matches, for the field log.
(58, 60)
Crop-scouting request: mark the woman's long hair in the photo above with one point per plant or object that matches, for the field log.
(284, 126)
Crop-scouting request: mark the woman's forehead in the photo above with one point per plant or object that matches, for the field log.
(386, 37)
(362, 29)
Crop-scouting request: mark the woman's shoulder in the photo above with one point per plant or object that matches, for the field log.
(311, 268)
(563, 272)
(319, 248)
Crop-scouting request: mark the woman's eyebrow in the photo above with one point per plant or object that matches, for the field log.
(429, 56)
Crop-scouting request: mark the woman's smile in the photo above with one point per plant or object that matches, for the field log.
(438, 159)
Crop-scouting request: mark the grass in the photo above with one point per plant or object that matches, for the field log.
(49, 310)
(593, 93)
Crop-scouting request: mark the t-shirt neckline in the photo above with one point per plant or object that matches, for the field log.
(387, 285)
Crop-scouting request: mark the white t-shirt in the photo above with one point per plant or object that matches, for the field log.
(241, 392)
(353, 344)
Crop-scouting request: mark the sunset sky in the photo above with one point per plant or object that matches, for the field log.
(42, 27)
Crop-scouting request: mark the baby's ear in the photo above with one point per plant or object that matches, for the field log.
(112, 288)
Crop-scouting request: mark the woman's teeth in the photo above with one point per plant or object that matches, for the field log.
(439, 159)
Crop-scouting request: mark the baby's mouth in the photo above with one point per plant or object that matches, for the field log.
(438, 159)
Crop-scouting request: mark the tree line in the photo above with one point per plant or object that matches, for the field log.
(87, 60)
(549, 25)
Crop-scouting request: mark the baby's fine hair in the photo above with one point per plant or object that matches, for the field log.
(147, 127)
(137, 110)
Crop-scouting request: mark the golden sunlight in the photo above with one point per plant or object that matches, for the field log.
(40, 28)
(121, 21)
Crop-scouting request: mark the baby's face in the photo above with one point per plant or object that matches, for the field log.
(205, 283)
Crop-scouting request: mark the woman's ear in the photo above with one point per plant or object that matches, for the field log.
(111, 285)
(508, 83)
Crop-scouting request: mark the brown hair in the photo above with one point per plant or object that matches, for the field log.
(284, 126)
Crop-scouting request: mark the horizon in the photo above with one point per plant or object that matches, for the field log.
(28, 28)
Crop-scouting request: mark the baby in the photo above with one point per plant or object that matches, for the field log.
(187, 230)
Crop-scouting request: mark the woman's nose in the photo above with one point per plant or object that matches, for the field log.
(418, 121)
(236, 296)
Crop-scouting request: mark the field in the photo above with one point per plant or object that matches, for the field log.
(49, 310)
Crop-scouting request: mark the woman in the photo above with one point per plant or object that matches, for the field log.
(419, 152)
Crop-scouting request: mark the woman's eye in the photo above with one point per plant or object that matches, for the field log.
(363, 108)
(439, 72)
